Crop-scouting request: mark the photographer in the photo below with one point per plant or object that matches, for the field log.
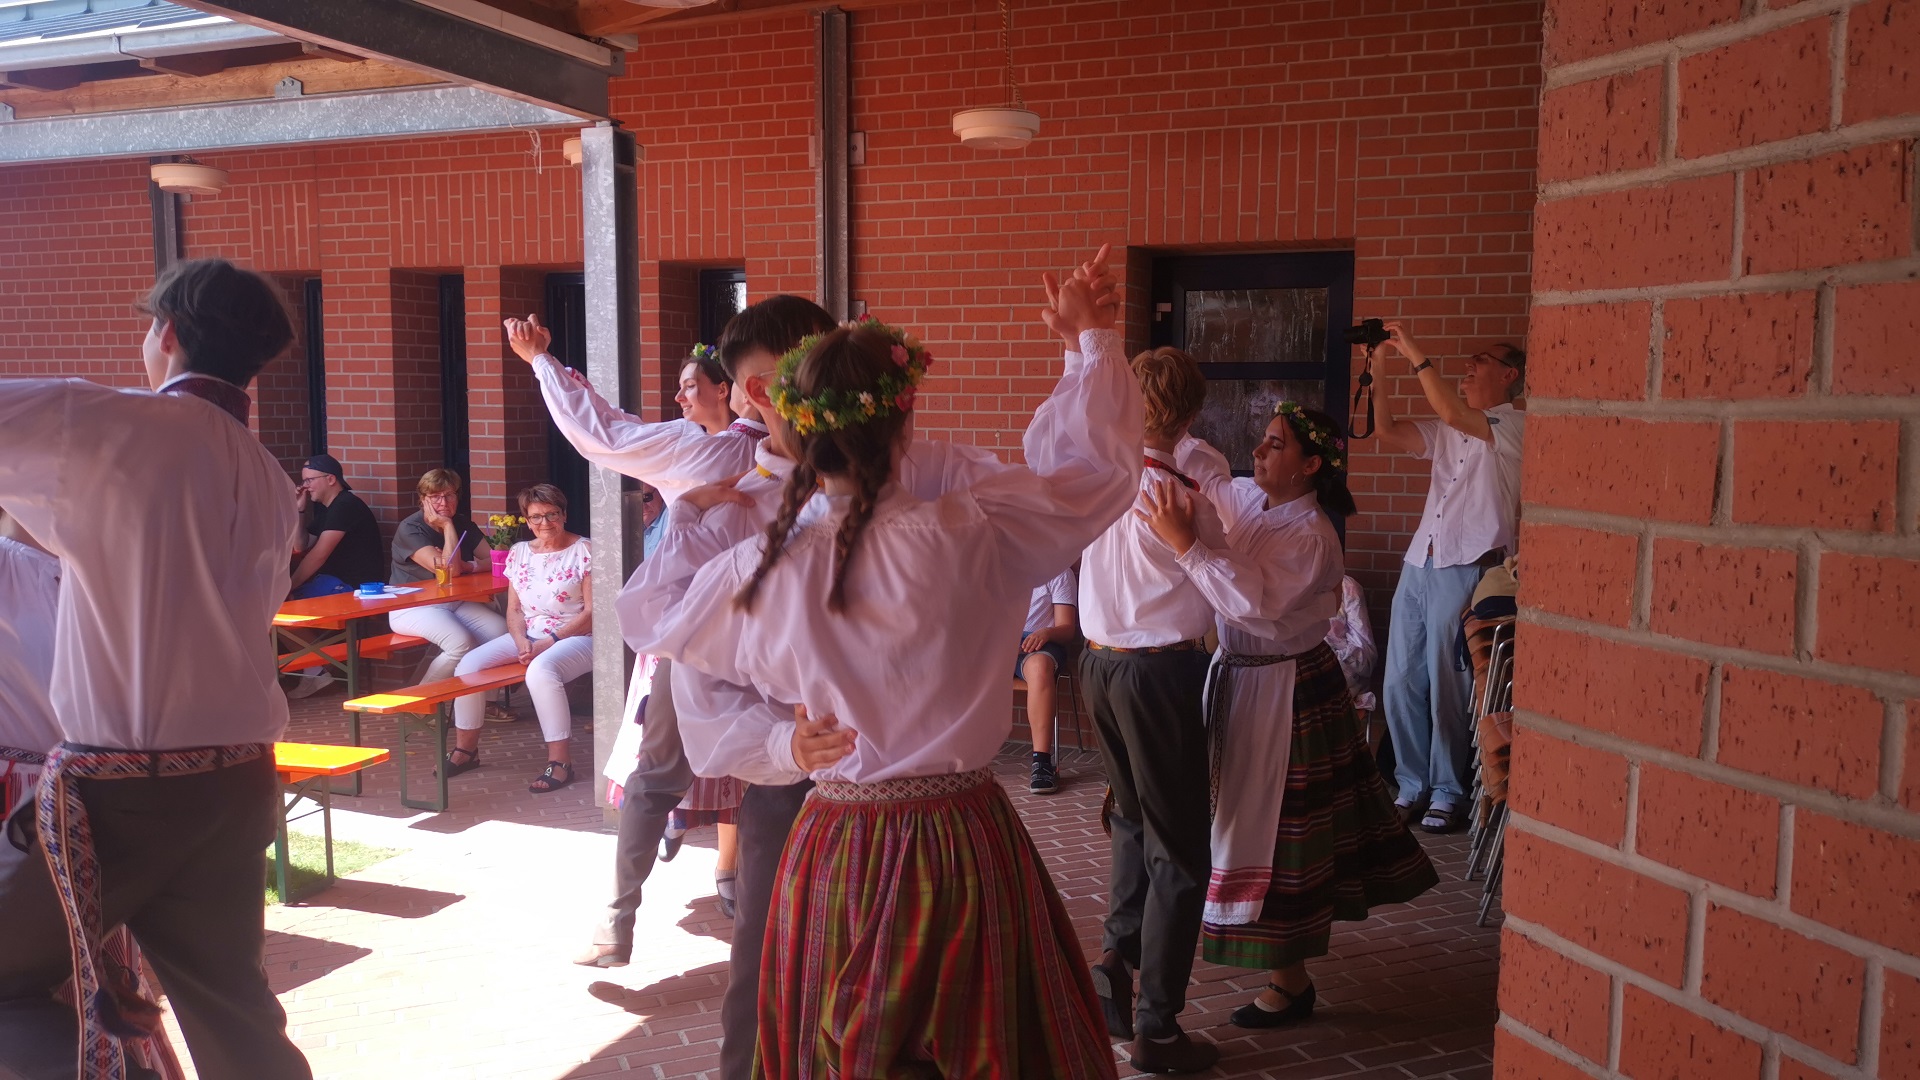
(1473, 502)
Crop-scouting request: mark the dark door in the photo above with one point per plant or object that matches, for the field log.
(316, 368)
(456, 452)
(723, 294)
(567, 318)
(1264, 328)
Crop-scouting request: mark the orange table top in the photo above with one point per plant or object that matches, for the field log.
(302, 761)
(334, 612)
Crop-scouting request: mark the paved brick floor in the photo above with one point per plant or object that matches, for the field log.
(451, 959)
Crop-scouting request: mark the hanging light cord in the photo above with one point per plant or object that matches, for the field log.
(1006, 44)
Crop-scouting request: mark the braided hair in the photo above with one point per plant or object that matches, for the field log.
(851, 359)
(1310, 426)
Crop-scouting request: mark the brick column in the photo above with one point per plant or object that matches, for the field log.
(1713, 868)
(506, 418)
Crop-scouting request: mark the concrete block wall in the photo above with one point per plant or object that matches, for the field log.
(1714, 863)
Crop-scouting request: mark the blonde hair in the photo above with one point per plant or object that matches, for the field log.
(436, 481)
(1175, 390)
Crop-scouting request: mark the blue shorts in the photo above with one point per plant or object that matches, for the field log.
(1051, 648)
(319, 585)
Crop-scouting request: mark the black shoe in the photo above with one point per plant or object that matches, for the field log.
(1046, 779)
(669, 847)
(1182, 1055)
(1299, 1008)
(1114, 983)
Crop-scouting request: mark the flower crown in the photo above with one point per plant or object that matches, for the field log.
(833, 409)
(1328, 442)
(704, 353)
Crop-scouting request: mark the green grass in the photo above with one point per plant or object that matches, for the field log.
(308, 854)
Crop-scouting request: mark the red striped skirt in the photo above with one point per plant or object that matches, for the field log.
(915, 932)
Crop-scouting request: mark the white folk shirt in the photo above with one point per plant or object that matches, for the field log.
(1473, 500)
(29, 596)
(1136, 593)
(1064, 589)
(173, 525)
(675, 456)
(736, 739)
(1297, 552)
(916, 664)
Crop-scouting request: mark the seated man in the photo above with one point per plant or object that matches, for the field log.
(342, 542)
(1052, 622)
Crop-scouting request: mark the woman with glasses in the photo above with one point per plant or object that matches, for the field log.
(436, 537)
(549, 629)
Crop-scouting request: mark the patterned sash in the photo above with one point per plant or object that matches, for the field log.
(907, 787)
(110, 1003)
(1219, 707)
(231, 399)
(747, 429)
(18, 768)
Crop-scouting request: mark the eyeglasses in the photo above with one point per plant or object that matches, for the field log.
(1503, 361)
(542, 519)
(441, 496)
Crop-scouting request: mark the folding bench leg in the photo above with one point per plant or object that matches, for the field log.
(283, 858)
(352, 638)
(439, 721)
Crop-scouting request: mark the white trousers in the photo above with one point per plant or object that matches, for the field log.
(455, 628)
(547, 679)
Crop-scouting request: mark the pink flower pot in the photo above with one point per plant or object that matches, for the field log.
(499, 562)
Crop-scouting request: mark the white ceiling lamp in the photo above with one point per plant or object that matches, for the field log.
(1008, 128)
(189, 178)
(571, 150)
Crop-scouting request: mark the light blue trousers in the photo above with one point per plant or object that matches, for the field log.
(1425, 696)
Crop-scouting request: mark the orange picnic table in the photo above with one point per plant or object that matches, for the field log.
(341, 643)
(306, 772)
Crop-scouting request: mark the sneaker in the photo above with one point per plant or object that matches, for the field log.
(1046, 778)
(310, 684)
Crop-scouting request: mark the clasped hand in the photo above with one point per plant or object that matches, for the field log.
(819, 743)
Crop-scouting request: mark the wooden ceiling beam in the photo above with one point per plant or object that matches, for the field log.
(233, 84)
(604, 18)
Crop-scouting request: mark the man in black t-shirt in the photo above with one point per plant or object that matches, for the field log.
(343, 549)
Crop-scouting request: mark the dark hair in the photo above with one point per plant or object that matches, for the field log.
(709, 367)
(543, 493)
(1174, 389)
(775, 324)
(228, 321)
(1515, 357)
(1329, 483)
(850, 359)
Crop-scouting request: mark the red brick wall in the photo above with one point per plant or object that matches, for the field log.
(280, 415)
(76, 250)
(1714, 862)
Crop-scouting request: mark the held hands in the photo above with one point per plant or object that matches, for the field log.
(1169, 513)
(1397, 338)
(818, 743)
(708, 496)
(1088, 300)
(528, 338)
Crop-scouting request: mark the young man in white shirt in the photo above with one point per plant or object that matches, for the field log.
(1470, 521)
(1145, 609)
(1052, 622)
(173, 525)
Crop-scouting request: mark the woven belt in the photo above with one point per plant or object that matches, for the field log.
(111, 1008)
(1194, 645)
(907, 787)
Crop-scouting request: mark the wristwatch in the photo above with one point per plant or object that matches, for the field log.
(1422, 366)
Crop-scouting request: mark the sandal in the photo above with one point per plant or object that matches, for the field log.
(550, 779)
(1442, 819)
(455, 768)
(1298, 1007)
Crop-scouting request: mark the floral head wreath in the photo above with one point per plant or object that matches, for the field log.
(833, 409)
(704, 354)
(1320, 438)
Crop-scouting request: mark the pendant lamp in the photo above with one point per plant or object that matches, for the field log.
(1008, 128)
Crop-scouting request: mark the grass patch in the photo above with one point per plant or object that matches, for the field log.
(308, 855)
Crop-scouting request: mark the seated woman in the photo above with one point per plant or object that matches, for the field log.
(434, 537)
(549, 629)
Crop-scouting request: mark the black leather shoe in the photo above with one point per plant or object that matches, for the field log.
(1299, 1008)
(1182, 1055)
(1114, 983)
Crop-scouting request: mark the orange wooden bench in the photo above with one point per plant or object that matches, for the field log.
(377, 647)
(306, 772)
(426, 708)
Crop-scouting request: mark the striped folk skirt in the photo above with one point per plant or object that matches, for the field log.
(1340, 849)
(915, 933)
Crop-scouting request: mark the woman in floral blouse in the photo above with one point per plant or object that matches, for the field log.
(549, 629)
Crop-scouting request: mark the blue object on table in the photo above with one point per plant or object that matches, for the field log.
(373, 588)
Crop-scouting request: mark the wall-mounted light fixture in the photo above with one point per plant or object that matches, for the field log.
(189, 178)
(571, 150)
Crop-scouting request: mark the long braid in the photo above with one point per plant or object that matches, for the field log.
(800, 487)
(869, 476)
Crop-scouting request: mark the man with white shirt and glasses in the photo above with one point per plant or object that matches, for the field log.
(1470, 523)
(173, 525)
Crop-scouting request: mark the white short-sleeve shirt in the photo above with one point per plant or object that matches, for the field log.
(548, 584)
(1064, 589)
(1473, 501)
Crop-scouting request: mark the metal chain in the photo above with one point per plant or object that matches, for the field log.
(1006, 44)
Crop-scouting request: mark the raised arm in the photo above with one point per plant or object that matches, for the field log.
(1447, 403)
(33, 443)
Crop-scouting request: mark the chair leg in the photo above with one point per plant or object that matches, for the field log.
(1496, 863)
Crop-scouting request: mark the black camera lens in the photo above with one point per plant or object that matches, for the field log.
(1370, 332)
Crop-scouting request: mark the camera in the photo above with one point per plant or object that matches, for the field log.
(1370, 332)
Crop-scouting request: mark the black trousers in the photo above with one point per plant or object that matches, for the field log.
(657, 784)
(183, 865)
(766, 817)
(1146, 710)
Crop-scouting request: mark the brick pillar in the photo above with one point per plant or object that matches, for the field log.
(383, 381)
(1713, 868)
(506, 416)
